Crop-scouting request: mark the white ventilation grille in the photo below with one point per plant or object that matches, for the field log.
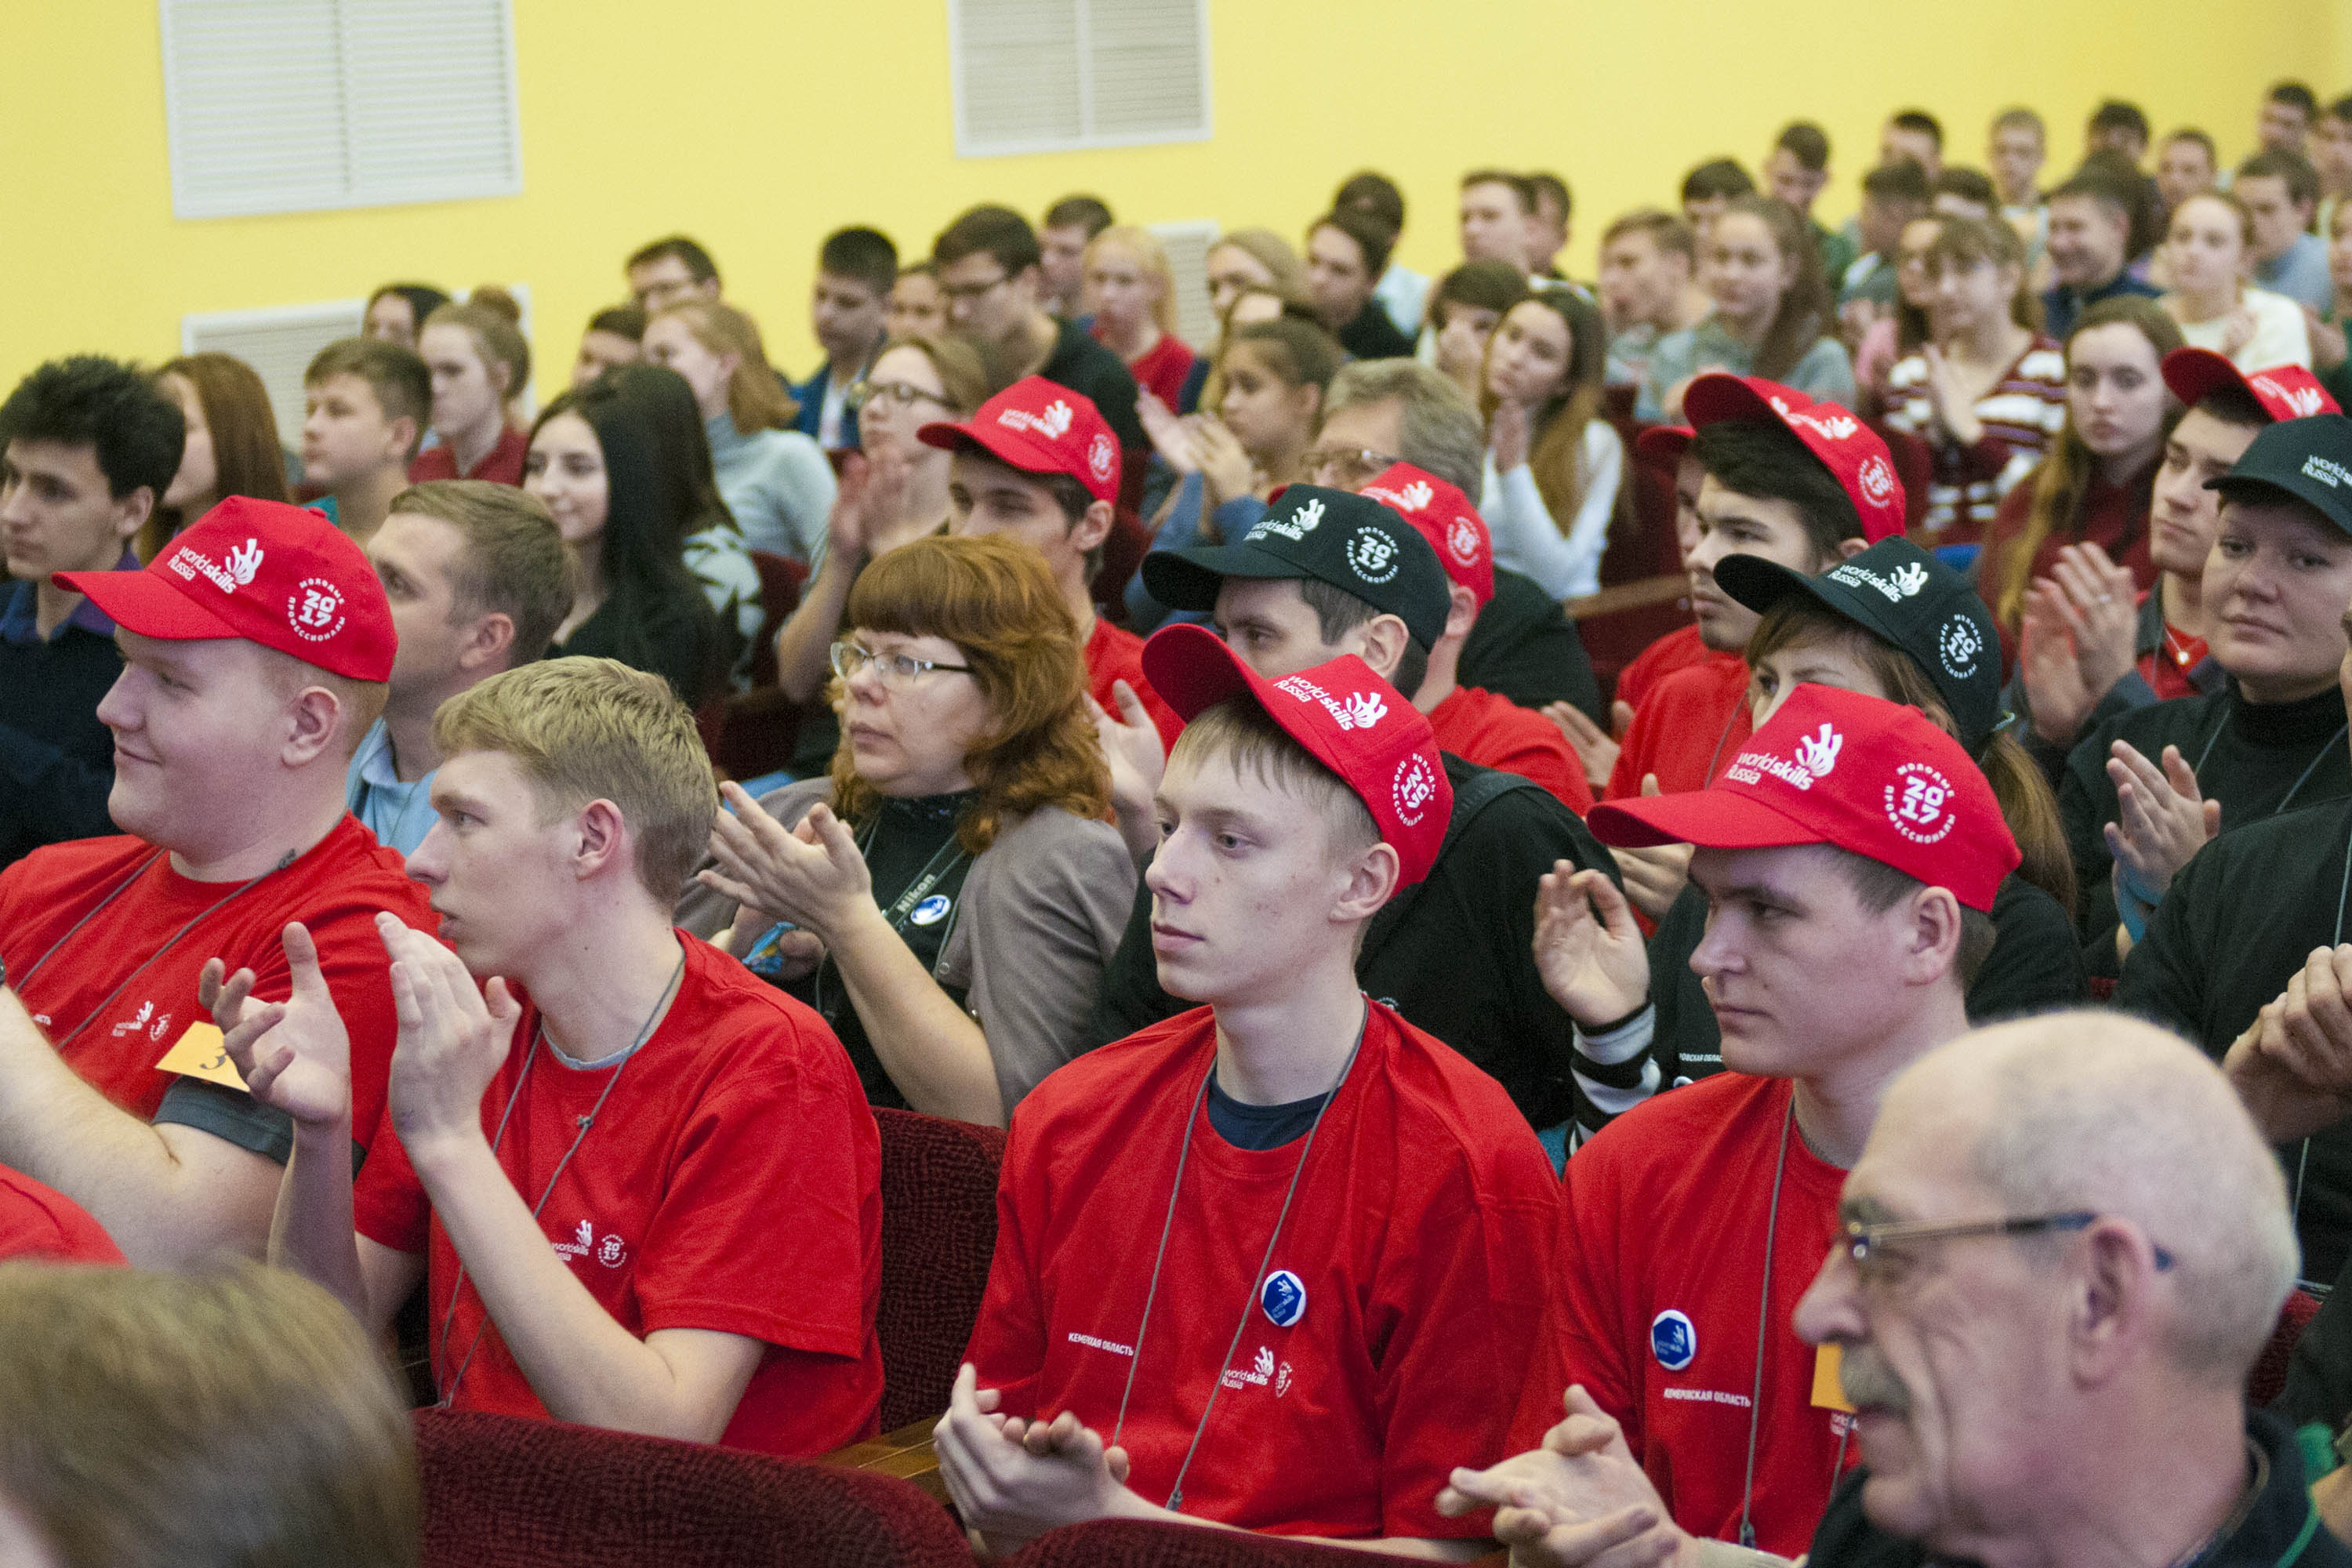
(277, 343)
(1187, 245)
(1040, 76)
(281, 106)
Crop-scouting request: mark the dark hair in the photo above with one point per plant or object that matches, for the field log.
(136, 433)
(2212, 156)
(1969, 184)
(1879, 887)
(1374, 193)
(1490, 285)
(2280, 164)
(2294, 95)
(1089, 213)
(621, 320)
(1372, 237)
(396, 375)
(1920, 121)
(2143, 203)
(1667, 231)
(999, 231)
(1768, 461)
(2115, 114)
(1300, 353)
(698, 265)
(2233, 405)
(865, 255)
(2020, 116)
(1718, 179)
(1338, 612)
(2097, 181)
(2341, 109)
(1806, 313)
(1805, 142)
(1543, 183)
(1902, 181)
(1518, 183)
(423, 300)
(1556, 434)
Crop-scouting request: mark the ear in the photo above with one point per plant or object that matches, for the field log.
(501, 376)
(131, 512)
(603, 841)
(1093, 525)
(1460, 610)
(1930, 941)
(400, 438)
(733, 362)
(486, 646)
(1847, 549)
(315, 717)
(1310, 403)
(2111, 1308)
(1383, 640)
(1370, 882)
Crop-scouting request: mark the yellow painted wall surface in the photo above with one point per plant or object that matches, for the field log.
(758, 125)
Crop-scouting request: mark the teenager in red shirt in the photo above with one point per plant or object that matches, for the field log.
(688, 1243)
(1491, 730)
(39, 1222)
(1292, 1154)
(255, 650)
(1038, 462)
(1851, 852)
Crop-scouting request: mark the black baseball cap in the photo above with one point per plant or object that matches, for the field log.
(2307, 461)
(1903, 596)
(1339, 537)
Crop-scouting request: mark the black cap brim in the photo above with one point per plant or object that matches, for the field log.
(1189, 579)
(1759, 585)
(2268, 489)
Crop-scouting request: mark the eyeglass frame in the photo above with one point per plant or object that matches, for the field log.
(901, 393)
(1859, 1237)
(1311, 463)
(967, 293)
(903, 670)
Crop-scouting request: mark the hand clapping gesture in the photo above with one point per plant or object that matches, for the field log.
(294, 1056)
(2161, 821)
(454, 1037)
(1588, 953)
(812, 875)
(1580, 1498)
(2079, 628)
(1013, 1480)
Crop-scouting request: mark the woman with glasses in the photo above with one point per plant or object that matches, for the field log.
(893, 490)
(949, 895)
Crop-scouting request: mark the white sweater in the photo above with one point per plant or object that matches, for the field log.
(1566, 561)
(2281, 335)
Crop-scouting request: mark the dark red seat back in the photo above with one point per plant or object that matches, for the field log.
(939, 1233)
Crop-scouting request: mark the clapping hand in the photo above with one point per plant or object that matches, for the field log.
(294, 1056)
(811, 875)
(1579, 1499)
(2161, 819)
(1588, 953)
(1012, 1480)
(454, 1037)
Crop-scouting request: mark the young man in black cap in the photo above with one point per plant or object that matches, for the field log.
(1325, 573)
(2259, 909)
(2144, 791)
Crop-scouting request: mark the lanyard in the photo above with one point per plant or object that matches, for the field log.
(945, 859)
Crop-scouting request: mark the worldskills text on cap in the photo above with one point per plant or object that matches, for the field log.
(2285, 391)
(1443, 515)
(2307, 461)
(279, 575)
(1349, 718)
(1040, 427)
(1871, 777)
(1900, 593)
(1339, 537)
(1851, 450)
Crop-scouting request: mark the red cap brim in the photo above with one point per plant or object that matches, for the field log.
(1193, 671)
(144, 604)
(1021, 450)
(2193, 374)
(1717, 396)
(1709, 818)
(1663, 444)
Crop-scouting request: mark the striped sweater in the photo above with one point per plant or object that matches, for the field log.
(2020, 415)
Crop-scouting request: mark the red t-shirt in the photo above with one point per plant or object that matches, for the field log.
(2166, 668)
(1496, 733)
(1660, 1275)
(1420, 1234)
(36, 1222)
(1678, 649)
(1686, 730)
(1114, 654)
(114, 1037)
(731, 1181)
(1163, 369)
(501, 465)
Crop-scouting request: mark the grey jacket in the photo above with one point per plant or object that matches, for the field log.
(1044, 906)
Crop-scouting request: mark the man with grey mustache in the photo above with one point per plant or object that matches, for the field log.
(2061, 1252)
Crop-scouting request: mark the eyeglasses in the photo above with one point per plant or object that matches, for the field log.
(896, 670)
(974, 290)
(897, 393)
(1864, 1242)
(1345, 468)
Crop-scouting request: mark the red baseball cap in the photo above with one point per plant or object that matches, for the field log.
(279, 575)
(1852, 451)
(1349, 718)
(2285, 391)
(1040, 427)
(1871, 777)
(1443, 515)
(1663, 444)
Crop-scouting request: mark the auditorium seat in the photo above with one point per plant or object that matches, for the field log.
(1643, 595)
(1141, 1544)
(2268, 1379)
(750, 733)
(938, 1232)
(504, 1492)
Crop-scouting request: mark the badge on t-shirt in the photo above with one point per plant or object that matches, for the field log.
(1284, 1297)
(1828, 1390)
(931, 910)
(201, 1053)
(1672, 1339)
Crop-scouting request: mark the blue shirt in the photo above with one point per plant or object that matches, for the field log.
(399, 814)
(20, 619)
(2299, 272)
(2062, 306)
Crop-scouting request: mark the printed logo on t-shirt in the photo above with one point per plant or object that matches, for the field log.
(1261, 1372)
(1672, 1339)
(1294, 528)
(1284, 1297)
(1372, 555)
(315, 609)
(136, 1022)
(931, 910)
(612, 1252)
(1918, 803)
(1958, 644)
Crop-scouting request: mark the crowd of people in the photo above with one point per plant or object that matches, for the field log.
(1197, 749)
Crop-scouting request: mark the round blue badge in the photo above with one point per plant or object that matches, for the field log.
(1672, 1339)
(1284, 1297)
(931, 910)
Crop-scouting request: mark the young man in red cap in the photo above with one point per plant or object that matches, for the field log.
(1479, 726)
(1263, 1265)
(1800, 483)
(255, 650)
(1851, 851)
(642, 1184)
(1038, 462)
(2091, 644)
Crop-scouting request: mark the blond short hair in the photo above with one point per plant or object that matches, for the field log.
(1243, 732)
(514, 562)
(593, 729)
(237, 1417)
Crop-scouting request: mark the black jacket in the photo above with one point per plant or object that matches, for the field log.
(57, 760)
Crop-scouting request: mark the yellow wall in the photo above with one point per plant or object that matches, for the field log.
(758, 125)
